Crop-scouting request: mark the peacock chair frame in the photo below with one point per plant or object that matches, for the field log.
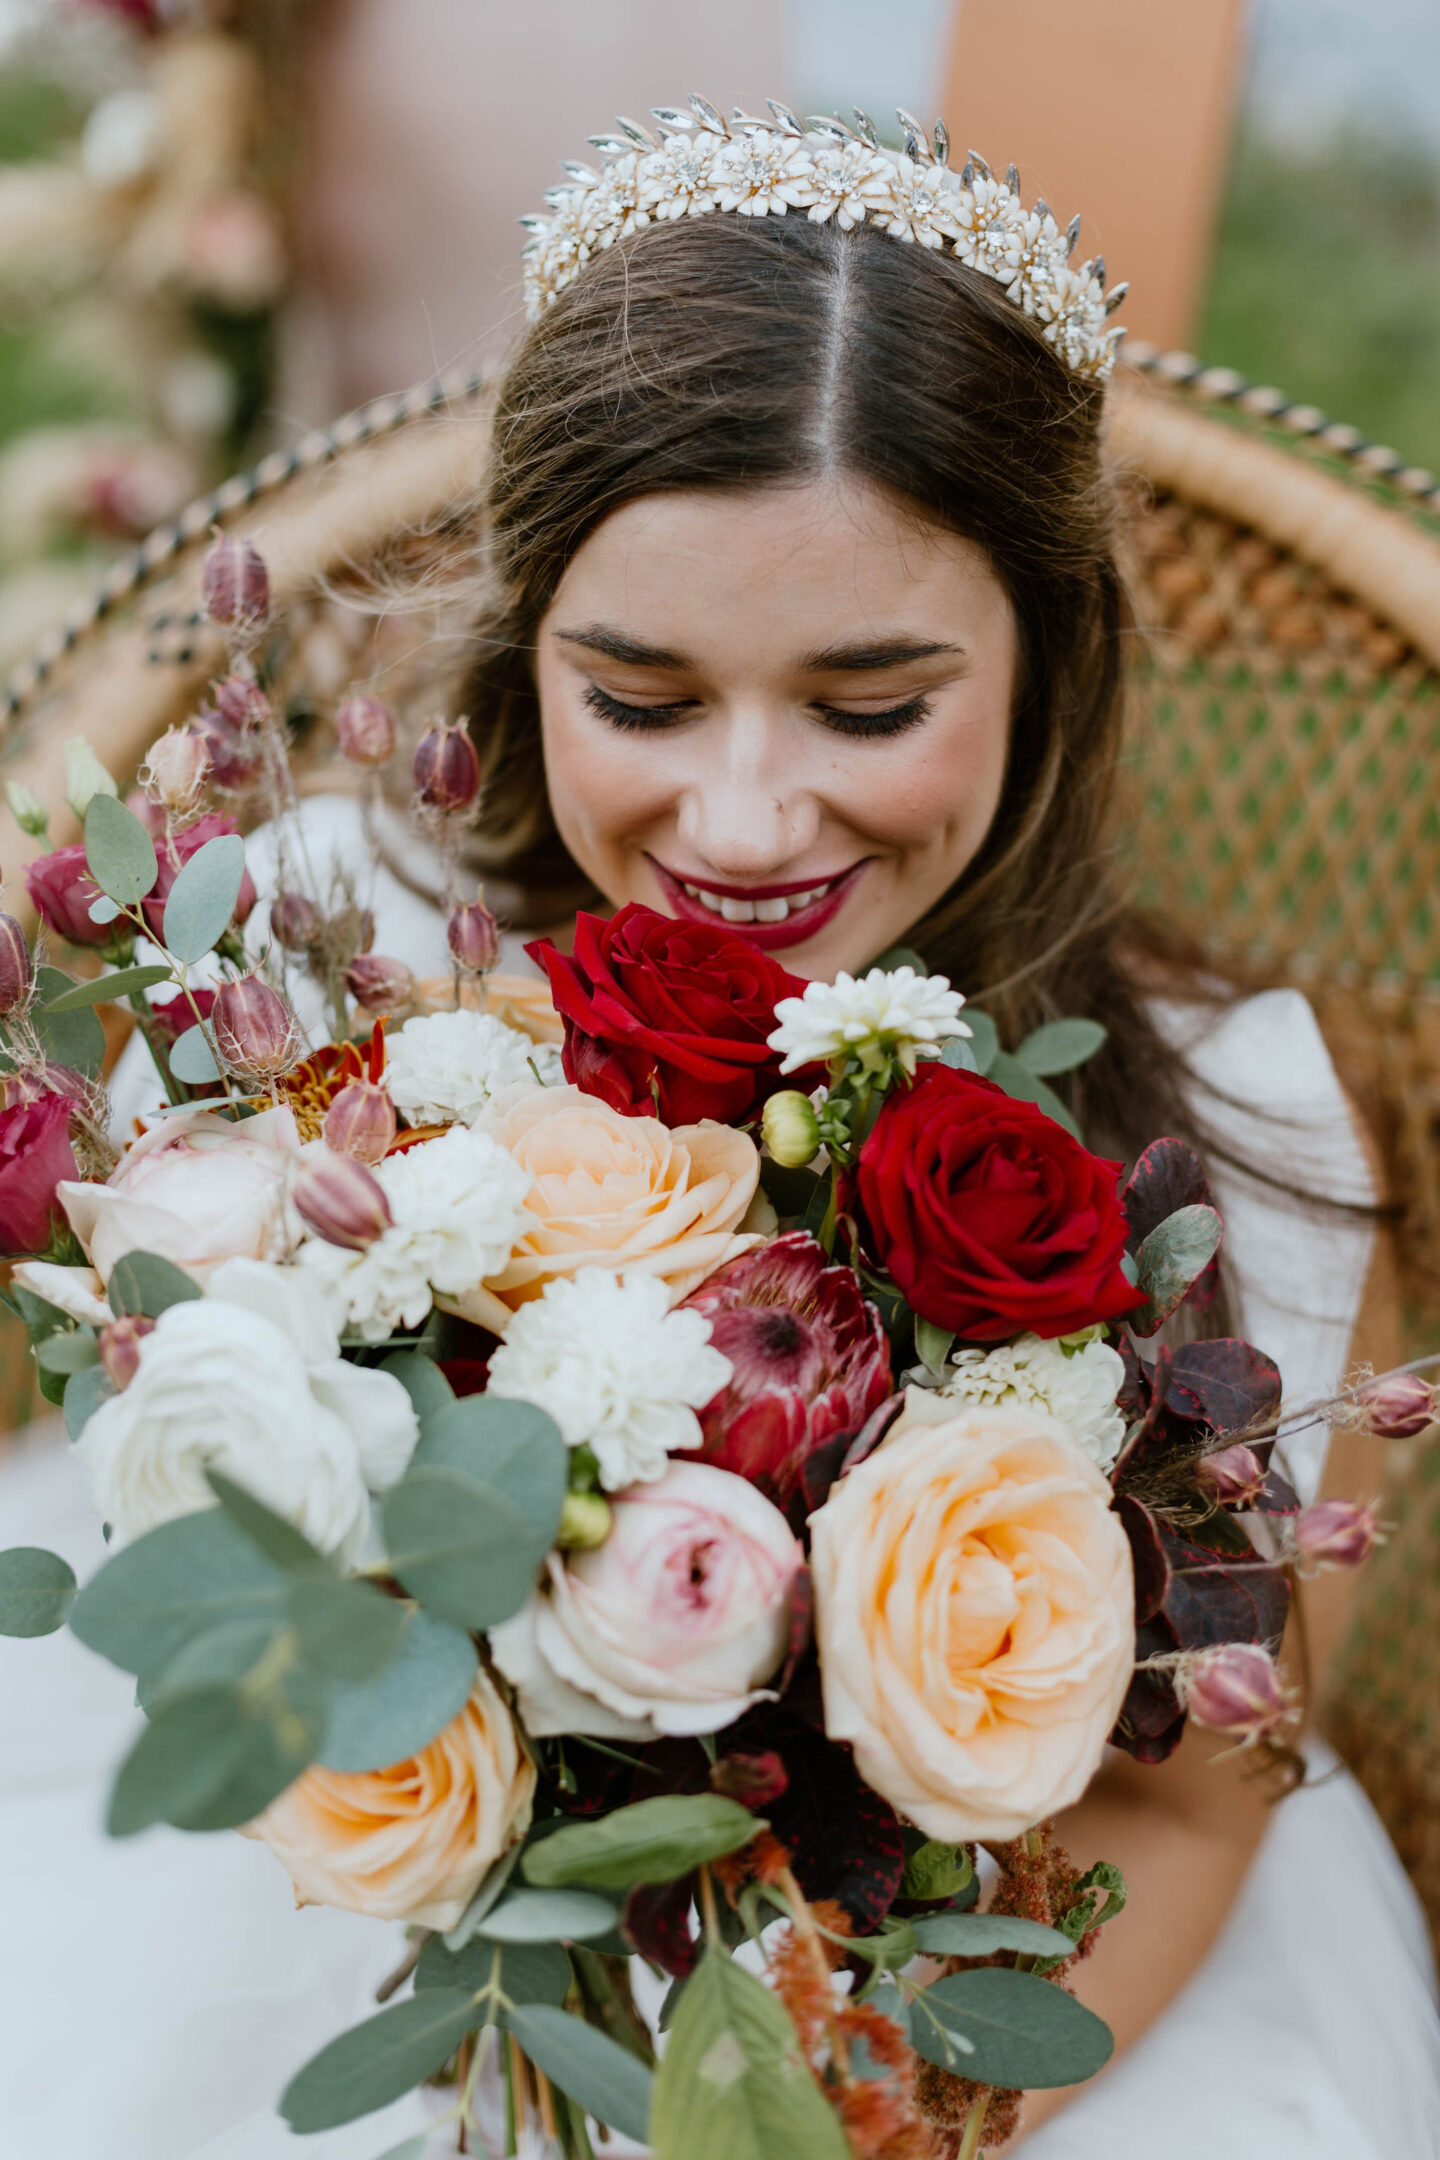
(1284, 732)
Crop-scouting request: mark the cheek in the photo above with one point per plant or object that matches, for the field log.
(599, 782)
(939, 787)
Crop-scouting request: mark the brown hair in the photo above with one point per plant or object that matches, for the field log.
(730, 352)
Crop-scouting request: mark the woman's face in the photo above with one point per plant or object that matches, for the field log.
(783, 708)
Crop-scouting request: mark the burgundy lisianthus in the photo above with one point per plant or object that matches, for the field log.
(35, 1157)
(172, 856)
(668, 1019)
(987, 1215)
(63, 892)
(810, 1356)
(174, 1016)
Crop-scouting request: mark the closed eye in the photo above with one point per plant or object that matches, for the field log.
(892, 720)
(636, 718)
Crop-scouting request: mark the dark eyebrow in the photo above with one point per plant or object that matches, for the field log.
(616, 646)
(868, 659)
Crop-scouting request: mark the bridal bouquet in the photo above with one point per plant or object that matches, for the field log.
(668, 1470)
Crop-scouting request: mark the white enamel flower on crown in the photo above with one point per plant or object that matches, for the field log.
(700, 165)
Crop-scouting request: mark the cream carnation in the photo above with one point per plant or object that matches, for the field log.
(458, 1205)
(411, 1842)
(1078, 1388)
(890, 1013)
(443, 1068)
(974, 1613)
(249, 1381)
(673, 1625)
(615, 1368)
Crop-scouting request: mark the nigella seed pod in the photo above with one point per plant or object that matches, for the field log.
(1235, 1476)
(360, 1122)
(473, 936)
(790, 1128)
(240, 700)
(17, 969)
(255, 1031)
(1397, 1405)
(296, 922)
(1236, 1689)
(120, 1347)
(1336, 1533)
(341, 1201)
(175, 768)
(446, 769)
(365, 730)
(378, 983)
(234, 583)
(233, 752)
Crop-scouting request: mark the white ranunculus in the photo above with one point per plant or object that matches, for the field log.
(889, 1013)
(673, 1625)
(443, 1068)
(1078, 1387)
(615, 1368)
(458, 1204)
(196, 1189)
(248, 1380)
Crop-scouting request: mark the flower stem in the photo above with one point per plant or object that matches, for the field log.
(804, 1924)
(974, 2128)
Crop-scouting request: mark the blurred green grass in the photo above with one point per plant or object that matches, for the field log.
(1326, 282)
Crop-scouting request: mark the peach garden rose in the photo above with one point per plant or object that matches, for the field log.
(410, 1842)
(975, 1617)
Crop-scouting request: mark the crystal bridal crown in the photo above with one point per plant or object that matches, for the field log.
(697, 163)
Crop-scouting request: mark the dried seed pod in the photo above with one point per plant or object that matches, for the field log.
(365, 730)
(234, 583)
(120, 1347)
(379, 983)
(17, 968)
(175, 769)
(473, 936)
(341, 1201)
(1336, 1533)
(1397, 1405)
(1237, 1689)
(360, 1122)
(256, 1033)
(446, 768)
(1234, 1476)
(296, 922)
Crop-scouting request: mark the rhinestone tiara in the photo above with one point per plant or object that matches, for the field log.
(696, 162)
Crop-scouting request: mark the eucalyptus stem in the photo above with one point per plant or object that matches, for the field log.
(139, 1004)
(974, 2128)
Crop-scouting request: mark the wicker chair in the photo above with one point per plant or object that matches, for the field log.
(1286, 723)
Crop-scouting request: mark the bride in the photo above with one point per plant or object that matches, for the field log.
(799, 606)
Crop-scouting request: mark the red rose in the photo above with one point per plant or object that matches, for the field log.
(987, 1215)
(810, 1357)
(668, 1019)
(35, 1155)
(62, 892)
(172, 856)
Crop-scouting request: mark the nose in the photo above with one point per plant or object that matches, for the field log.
(746, 810)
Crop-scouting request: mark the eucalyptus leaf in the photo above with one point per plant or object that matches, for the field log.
(597, 2073)
(733, 2083)
(398, 1711)
(279, 1540)
(461, 1548)
(422, 1380)
(527, 1972)
(75, 1039)
(192, 1059)
(511, 1446)
(103, 910)
(958, 1053)
(175, 1582)
(1171, 1260)
(1060, 1046)
(143, 1282)
(653, 1841)
(100, 989)
(69, 1352)
(932, 1344)
(530, 1916)
(984, 1038)
(85, 1391)
(190, 1749)
(1002, 2027)
(492, 1888)
(379, 2061)
(413, 2148)
(37, 1589)
(982, 1934)
(119, 852)
(347, 1630)
(1025, 1086)
(227, 1652)
(201, 903)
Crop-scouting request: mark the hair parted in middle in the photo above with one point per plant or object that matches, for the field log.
(736, 353)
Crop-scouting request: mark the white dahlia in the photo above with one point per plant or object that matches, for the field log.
(1078, 1387)
(890, 1013)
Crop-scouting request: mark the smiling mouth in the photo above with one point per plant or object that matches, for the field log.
(770, 915)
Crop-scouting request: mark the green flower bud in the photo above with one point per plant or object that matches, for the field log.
(790, 1129)
(85, 776)
(27, 810)
(584, 1522)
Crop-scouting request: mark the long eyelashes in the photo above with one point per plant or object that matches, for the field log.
(649, 719)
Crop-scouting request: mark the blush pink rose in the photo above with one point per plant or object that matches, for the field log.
(673, 1625)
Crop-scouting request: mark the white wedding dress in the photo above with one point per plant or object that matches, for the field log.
(156, 1995)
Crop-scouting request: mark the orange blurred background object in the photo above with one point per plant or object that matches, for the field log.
(1120, 109)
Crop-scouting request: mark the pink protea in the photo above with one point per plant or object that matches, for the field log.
(811, 1362)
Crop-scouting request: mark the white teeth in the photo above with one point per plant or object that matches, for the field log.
(765, 911)
(771, 910)
(710, 900)
(737, 910)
